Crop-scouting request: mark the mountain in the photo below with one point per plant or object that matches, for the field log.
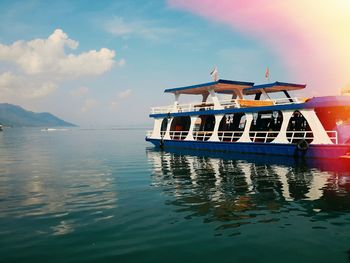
(16, 116)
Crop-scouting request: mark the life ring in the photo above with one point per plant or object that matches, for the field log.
(303, 145)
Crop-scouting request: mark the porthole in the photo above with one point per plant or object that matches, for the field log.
(265, 126)
(180, 127)
(231, 127)
(203, 127)
(299, 129)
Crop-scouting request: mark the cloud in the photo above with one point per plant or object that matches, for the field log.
(18, 87)
(48, 56)
(124, 94)
(312, 45)
(146, 29)
(6, 80)
(88, 105)
(42, 91)
(121, 96)
(9, 83)
(79, 92)
(39, 65)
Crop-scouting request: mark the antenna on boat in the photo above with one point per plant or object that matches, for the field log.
(267, 74)
(215, 74)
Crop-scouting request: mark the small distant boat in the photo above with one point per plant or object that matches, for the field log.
(1, 128)
(259, 119)
(53, 129)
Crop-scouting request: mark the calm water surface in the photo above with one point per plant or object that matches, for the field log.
(107, 196)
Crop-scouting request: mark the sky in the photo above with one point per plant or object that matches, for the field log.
(105, 63)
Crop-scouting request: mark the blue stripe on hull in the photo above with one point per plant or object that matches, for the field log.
(314, 151)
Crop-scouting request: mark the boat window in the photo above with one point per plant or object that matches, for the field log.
(299, 129)
(231, 127)
(331, 117)
(265, 126)
(335, 119)
(203, 127)
(179, 127)
(163, 127)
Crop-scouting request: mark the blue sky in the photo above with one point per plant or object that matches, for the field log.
(156, 47)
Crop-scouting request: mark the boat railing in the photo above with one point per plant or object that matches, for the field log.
(225, 104)
(182, 108)
(162, 109)
(255, 136)
(202, 135)
(288, 100)
(263, 136)
(229, 136)
(295, 136)
(150, 133)
(195, 106)
(292, 136)
(268, 136)
(333, 136)
(229, 103)
(178, 135)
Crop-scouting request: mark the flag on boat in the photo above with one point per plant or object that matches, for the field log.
(267, 73)
(215, 74)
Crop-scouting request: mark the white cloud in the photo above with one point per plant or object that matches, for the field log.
(42, 91)
(124, 94)
(41, 64)
(18, 87)
(5, 79)
(140, 28)
(79, 92)
(43, 56)
(88, 105)
(121, 96)
(8, 83)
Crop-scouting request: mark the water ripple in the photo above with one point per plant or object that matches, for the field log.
(99, 196)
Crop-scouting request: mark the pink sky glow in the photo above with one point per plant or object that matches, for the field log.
(312, 38)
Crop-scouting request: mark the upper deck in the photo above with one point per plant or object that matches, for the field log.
(237, 90)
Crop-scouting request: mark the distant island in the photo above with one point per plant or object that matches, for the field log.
(15, 116)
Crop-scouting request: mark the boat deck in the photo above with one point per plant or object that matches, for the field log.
(224, 104)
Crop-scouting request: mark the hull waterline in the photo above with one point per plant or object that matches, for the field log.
(313, 151)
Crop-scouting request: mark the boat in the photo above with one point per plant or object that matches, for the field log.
(1, 128)
(239, 116)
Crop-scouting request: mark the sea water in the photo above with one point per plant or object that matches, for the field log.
(106, 195)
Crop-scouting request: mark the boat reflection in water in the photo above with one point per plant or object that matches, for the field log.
(242, 189)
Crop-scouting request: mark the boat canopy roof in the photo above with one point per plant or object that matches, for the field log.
(220, 86)
(273, 87)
